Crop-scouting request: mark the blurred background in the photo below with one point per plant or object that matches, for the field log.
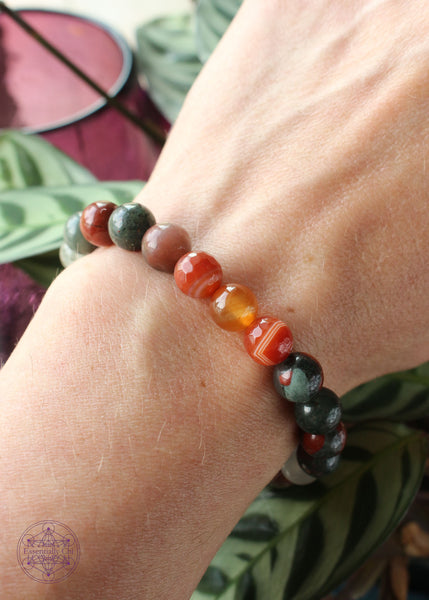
(125, 16)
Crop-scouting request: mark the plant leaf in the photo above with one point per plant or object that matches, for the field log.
(32, 220)
(400, 396)
(314, 537)
(168, 59)
(212, 18)
(28, 160)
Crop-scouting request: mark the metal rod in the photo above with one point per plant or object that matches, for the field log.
(148, 127)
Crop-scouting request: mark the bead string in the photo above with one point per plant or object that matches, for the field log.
(298, 377)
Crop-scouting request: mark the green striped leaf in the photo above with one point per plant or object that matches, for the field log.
(28, 160)
(314, 537)
(168, 59)
(400, 396)
(212, 19)
(32, 220)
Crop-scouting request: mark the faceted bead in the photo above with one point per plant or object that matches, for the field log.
(268, 341)
(128, 223)
(198, 274)
(322, 446)
(317, 466)
(164, 244)
(233, 307)
(73, 236)
(294, 473)
(319, 415)
(93, 223)
(68, 255)
(298, 378)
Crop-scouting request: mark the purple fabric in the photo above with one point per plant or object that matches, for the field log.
(19, 298)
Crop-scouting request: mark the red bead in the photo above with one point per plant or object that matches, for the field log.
(312, 443)
(198, 274)
(268, 341)
(93, 223)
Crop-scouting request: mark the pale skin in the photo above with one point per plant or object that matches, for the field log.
(299, 162)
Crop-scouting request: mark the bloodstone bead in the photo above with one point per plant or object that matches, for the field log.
(128, 223)
(93, 223)
(319, 415)
(198, 274)
(73, 236)
(233, 307)
(317, 466)
(322, 446)
(268, 341)
(298, 378)
(164, 244)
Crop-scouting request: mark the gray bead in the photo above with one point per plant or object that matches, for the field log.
(73, 236)
(128, 223)
(321, 414)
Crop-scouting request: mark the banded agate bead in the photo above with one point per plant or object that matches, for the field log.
(321, 414)
(317, 466)
(198, 274)
(322, 446)
(268, 341)
(233, 307)
(93, 223)
(128, 223)
(164, 244)
(298, 378)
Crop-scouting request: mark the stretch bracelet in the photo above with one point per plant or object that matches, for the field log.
(298, 377)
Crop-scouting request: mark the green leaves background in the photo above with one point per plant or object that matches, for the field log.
(40, 187)
(301, 543)
(291, 544)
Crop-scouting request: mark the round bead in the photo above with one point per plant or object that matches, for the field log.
(319, 415)
(93, 223)
(128, 223)
(317, 466)
(294, 473)
(68, 255)
(73, 236)
(322, 446)
(298, 378)
(164, 244)
(233, 307)
(198, 274)
(268, 341)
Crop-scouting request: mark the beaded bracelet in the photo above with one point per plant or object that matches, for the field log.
(298, 377)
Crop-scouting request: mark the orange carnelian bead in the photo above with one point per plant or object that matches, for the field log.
(198, 274)
(93, 223)
(268, 341)
(233, 307)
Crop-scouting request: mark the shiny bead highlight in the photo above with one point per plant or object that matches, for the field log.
(233, 307)
(93, 223)
(268, 341)
(198, 274)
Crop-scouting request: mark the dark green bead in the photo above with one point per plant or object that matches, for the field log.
(128, 223)
(298, 378)
(321, 414)
(317, 466)
(73, 236)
